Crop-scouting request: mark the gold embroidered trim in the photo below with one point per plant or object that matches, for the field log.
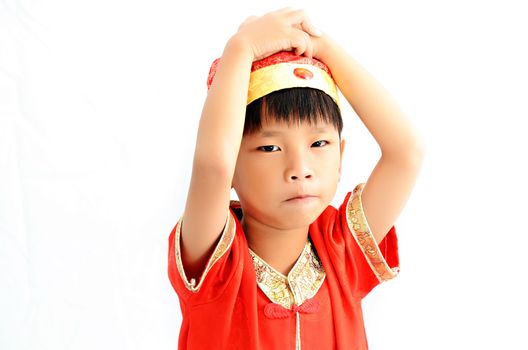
(282, 76)
(358, 225)
(302, 283)
(226, 239)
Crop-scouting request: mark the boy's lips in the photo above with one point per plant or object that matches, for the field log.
(300, 197)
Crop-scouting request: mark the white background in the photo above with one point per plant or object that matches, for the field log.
(99, 107)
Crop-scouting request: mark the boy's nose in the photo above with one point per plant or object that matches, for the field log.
(298, 166)
(295, 177)
(298, 173)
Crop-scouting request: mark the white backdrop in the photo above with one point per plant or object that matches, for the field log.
(99, 107)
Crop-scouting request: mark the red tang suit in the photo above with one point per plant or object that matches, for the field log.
(240, 302)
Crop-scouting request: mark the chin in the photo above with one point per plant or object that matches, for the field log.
(302, 218)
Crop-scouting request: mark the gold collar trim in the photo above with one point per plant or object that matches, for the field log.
(302, 283)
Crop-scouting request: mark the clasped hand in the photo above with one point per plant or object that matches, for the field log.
(281, 30)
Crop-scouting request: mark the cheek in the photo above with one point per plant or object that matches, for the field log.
(250, 168)
(251, 173)
(260, 166)
(329, 170)
(330, 162)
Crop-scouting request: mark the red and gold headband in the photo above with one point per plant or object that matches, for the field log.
(284, 70)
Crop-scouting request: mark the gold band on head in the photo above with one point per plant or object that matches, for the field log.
(288, 75)
(284, 70)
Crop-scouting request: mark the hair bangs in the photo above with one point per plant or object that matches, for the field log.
(293, 106)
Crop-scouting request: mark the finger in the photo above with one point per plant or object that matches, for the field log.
(299, 47)
(300, 42)
(308, 27)
(300, 17)
(298, 26)
(309, 48)
(298, 51)
(308, 52)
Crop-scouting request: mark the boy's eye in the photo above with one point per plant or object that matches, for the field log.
(270, 148)
(267, 148)
(321, 141)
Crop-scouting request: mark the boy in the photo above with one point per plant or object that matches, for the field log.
(281, 268)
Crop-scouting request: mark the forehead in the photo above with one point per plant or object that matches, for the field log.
(277, 128)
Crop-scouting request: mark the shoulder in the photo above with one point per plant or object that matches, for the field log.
(219, 269)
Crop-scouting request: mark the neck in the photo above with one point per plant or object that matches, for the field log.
(279, 248)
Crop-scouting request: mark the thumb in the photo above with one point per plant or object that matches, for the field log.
(309, 28)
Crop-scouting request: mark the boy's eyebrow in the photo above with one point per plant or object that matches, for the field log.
(269, 133)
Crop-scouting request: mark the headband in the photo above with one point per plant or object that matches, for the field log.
(284, 70)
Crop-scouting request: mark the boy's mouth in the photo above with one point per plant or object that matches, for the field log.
(301, 197)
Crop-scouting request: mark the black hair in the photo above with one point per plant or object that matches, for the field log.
(293, 106)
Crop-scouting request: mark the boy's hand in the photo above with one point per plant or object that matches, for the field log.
(282, 30)
(321, 45)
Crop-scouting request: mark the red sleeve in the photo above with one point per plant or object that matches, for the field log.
(359, 262)
(219, 269)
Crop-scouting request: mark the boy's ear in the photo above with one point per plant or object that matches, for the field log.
(342, 148)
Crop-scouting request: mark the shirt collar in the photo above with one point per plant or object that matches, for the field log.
(302, 283)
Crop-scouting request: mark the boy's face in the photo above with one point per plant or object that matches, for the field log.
(280, 162)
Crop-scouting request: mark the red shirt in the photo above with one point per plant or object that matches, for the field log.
(240, 302)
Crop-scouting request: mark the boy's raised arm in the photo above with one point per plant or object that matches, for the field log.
(217, 144)
(402, 149)
(221, 127)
